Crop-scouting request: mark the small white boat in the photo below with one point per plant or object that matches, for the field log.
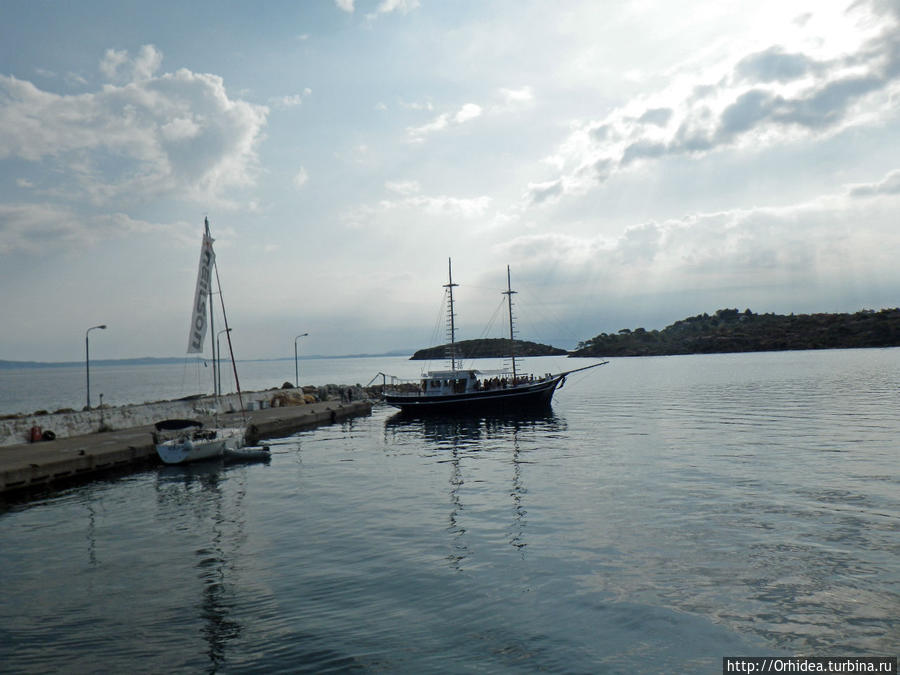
(180, 441)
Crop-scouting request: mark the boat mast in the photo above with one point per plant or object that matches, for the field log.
(237, 382)
(512, 348)
(452, 323)
(212, 329)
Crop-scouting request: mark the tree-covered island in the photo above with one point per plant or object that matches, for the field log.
(730, 330)
(488, 348)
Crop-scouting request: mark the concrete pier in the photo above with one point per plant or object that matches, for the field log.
(30, 465)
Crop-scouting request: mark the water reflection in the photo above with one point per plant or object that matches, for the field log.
(196, 491)
(464, 434)
(454, 430)
(517, 532)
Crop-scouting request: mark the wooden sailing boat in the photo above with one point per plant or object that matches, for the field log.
(464, 390)
(179, 441)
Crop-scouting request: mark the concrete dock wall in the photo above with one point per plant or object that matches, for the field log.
(17, 429)
(82, 457)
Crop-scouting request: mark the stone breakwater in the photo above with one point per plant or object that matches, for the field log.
(17, 429)
(88, 456)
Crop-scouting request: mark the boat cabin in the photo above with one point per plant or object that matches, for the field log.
(449, 382)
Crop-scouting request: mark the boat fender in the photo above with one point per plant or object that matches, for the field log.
(562, 383)
(48, 435)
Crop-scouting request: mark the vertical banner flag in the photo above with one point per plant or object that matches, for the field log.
(204, 283)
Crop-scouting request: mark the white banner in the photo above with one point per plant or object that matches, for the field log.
(199, 318)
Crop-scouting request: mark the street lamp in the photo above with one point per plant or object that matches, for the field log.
(297, 367)
(87, 360)
(219, 352)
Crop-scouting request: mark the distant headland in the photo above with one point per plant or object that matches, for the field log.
(730, 330)
(488, 348)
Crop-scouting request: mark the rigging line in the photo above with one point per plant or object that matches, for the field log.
(237, 382)
(490, 327)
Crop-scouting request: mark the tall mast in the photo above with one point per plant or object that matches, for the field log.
(237, 382)
(512, 349)
(452, 345)
(212, 327)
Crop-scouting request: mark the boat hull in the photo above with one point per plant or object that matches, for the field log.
(192, 449)
(511, 398)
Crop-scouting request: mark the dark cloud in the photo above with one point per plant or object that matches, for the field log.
(600, 133)
(542, 192)
(658, 116)
(774, 65)
(889, 186)
(641, 149)
(826, 106)
(749, 110)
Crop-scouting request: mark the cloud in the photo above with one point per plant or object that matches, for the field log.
(765, 97)
(42, 229)
(889, 186)
(119, 66)
(516, 97)
(801, 244)
(290, 101)
(389, 6)
(403, 187)
(441, 205)
(415, 205)
(658, 116)
(467, 112)
(301, 178)
(345, 5)
(545, 192)
(775, 65)
(174, 134)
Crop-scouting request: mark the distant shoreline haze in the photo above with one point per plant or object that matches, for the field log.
(157, 361)
(725, 331)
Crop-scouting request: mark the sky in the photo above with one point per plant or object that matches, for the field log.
(632, 162)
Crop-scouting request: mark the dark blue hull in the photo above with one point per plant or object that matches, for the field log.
(510, 398)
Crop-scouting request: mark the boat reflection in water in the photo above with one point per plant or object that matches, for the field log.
(192, 497)
(459, 436)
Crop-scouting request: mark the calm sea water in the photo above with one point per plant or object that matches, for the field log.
(665, 513)
(25, 390)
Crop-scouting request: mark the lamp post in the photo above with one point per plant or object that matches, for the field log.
(87, 360)
(219, 362)
(296, 366)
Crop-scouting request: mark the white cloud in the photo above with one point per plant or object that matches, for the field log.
(389, 6)
(441, 205)
(412, 206)
(175, 134)
(467, 112)
(516, 97)
(290, 101)
(345, 5)
(838, 238)
(301, 177)
(403, 187)
(117, 65)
